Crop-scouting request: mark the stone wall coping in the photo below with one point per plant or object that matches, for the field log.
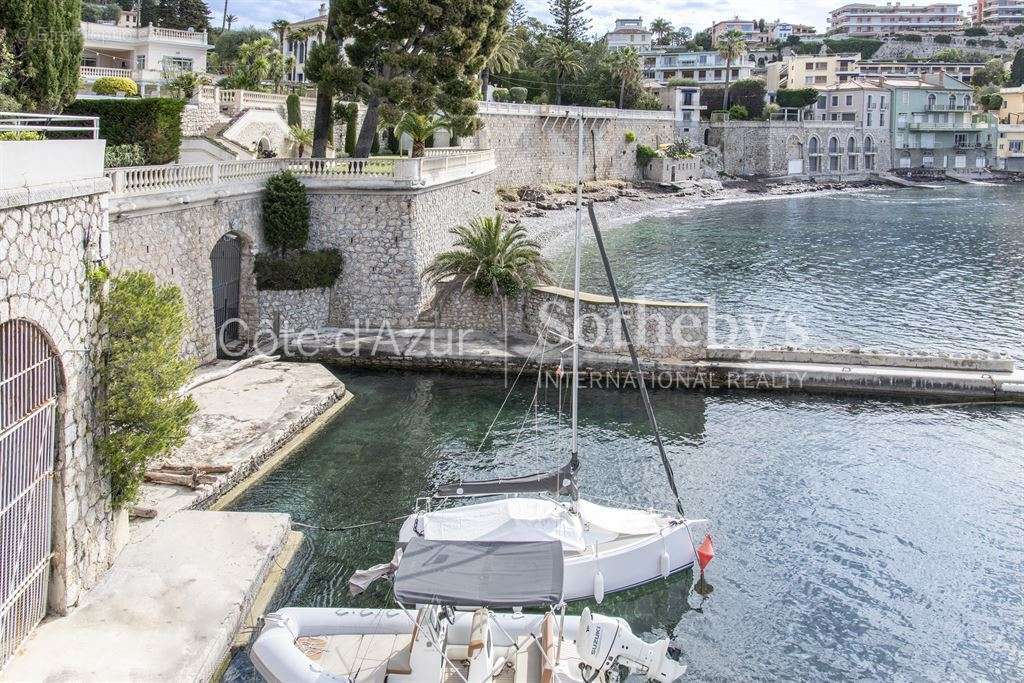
(39, 194)
(590, 298)
(852, 125)
(912, 359)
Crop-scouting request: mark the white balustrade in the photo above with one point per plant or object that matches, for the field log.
(94, 72)
(378, 172)
(568, 111)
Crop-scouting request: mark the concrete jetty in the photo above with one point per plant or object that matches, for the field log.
(903, 182)
(789, 370)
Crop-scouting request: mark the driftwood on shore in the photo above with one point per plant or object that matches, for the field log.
(190, 476)
(144, 513)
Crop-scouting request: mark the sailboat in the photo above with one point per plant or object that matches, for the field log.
(606, 549)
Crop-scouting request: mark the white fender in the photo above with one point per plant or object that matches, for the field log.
(598, 587)
(665, 564)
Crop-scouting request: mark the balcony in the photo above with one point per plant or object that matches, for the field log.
(946, 125)
(106, 33)
(948, 107)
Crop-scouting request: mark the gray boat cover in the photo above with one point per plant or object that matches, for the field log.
(480, 574)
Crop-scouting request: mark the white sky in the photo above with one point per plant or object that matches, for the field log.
(697, 14)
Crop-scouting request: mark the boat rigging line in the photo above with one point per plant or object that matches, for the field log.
(635, 361)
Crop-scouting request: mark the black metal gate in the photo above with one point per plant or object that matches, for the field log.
(226, 260)
(30, 381)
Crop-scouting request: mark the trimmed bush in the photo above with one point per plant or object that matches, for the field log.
(943, 39)
(682, 83)
(518, 94)
(8, 103)
(298, 270)
(117, 156)
(20, 136)
(141, 415)
(500, 94)
(285, 213)
(630, 136)
(796, 99)
(154, 123)
(976, 31)
(115, 85)
(294, 107)
(738, 112)
(607, 104)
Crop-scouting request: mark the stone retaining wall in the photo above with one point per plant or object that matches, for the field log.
(295, 309)
(536, 150)
(47, 240)
(967, 362)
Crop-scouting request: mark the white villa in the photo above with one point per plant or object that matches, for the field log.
(143, 54)
(303, 36)
(630, 33)
(706, 68)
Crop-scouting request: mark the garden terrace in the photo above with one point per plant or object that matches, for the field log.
(374, 173)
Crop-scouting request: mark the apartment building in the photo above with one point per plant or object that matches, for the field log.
(782, 30)
(747, 28)
(1010, 148)
(863, 19)
(878, 68)
(1002, 14)
(143, 54)
(934, 124)
(815, 71)
(303, 36)
(865, 104)
(630, 33)
(706, 68)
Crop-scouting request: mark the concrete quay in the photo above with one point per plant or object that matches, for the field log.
(721, 369)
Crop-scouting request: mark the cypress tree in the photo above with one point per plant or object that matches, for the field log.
(285, 213)
(1017, 69)
(294, 110)
(46, 40)
(350, 131)
(571, 20)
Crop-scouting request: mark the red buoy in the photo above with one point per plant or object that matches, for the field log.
(705, 552)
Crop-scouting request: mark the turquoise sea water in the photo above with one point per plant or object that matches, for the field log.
(857, 539)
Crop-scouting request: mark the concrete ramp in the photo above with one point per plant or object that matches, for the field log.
(169, 608)
(966, 179)
(903, 182)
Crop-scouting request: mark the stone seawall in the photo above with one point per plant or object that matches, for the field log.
(175, 243)
(387, 239)
(49, 236)
(295, 309)
(536, 150)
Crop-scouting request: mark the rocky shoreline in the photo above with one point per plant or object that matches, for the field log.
(548, 213)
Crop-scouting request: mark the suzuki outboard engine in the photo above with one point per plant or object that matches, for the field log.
(603, 642)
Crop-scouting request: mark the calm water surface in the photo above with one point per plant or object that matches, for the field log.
(900, 269)
(857, 539)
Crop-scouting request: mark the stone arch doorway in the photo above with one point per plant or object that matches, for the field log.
(31, 387)
(226, 266)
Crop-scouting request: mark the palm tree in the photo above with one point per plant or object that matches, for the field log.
(281, 27)
(562, 58)
(626, 65)
(224, 17)
(731, 46)
(230, 19)
(489, 260)
(505, 57)
(303, 137)
(420, 128)
(661, 28)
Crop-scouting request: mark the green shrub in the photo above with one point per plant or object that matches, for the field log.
(909, 37)
(796, 99)
(518, 94)
(187, 83)
(644, 154)
(115, 85)
(298, 270)
(630, 136)
(20, 136)
(646, 100)
(500, 94)
(991, 101)
(943, 39)
(976, 31)
(152, 122)
(738, 112)
(285, 213)
(117, 156)
(141, 415)
(608, 104)
(8, 103)
(748, 93)
(682, 83)
(294, 107)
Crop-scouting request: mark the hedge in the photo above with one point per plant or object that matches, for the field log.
(797, 98)
(298, 270)
(154, 123)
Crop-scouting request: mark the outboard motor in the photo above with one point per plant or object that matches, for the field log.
(603, 642)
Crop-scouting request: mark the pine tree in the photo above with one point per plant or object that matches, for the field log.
(46, 40)
(571, 22)
(516, 14)
(193, 14)
(1017, 69)
(149, 13)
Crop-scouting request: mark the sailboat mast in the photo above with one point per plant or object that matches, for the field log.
(574, 450)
